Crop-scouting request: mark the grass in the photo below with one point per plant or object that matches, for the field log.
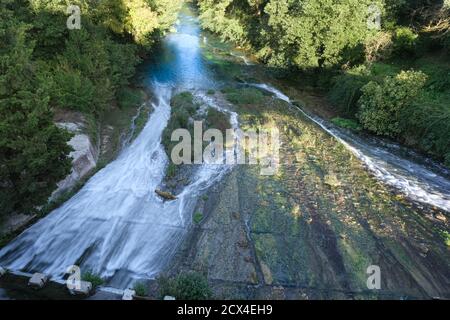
(244, 96)
(141, 120)
(172, 170)
(217, 120)
(141, 289)
(198, 217)
(184, 110)
(94, 279)
(347, 123)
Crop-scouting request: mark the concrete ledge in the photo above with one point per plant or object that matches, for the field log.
(38, 280)
(128, 294)
(82, 288)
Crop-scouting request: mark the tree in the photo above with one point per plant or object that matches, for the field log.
(33, 151)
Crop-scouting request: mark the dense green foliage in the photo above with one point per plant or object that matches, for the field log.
(33, 151)
(44, 66)
(185, 286)
(346, 123)
(284, 33)
(381, 105)
(337, 43)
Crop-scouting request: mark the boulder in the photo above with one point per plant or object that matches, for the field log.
(38, 280)
(165, 195)
(128, 294)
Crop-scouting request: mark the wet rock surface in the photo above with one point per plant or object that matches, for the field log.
(312, 230)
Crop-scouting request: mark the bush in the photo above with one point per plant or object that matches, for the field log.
(186, 286)
(405, 42)
(379, 47)
(128, 98)
(245, 96)
(184, 100)
(183, 108)
(217, 120)
(346, 92)
(92, 278)
(172, 170)
(347, 123)
(140, 289)
(426, 125)
(381, 104)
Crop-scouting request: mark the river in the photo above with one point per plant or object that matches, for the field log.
(118, 228)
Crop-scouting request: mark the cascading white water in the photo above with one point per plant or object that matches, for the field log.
(116, 226)
(415, 180)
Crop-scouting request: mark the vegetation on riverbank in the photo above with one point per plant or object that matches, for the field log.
(47, 67)
(185, 109)
(185, 286)
(343, 54)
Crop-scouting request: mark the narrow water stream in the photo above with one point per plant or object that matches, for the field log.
(117, 227)
(419, 179)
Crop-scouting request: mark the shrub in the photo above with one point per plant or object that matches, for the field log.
(172, 170)
(128, 98)
(217, 120)
(185, 286)
(140, 289)
(405, 42)
(184, 100)
(346, 123)
(379, 47)
(346, 92)
(245, 96)
(92, 278)
(183, 107)
(380, 104)
(426, 125)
